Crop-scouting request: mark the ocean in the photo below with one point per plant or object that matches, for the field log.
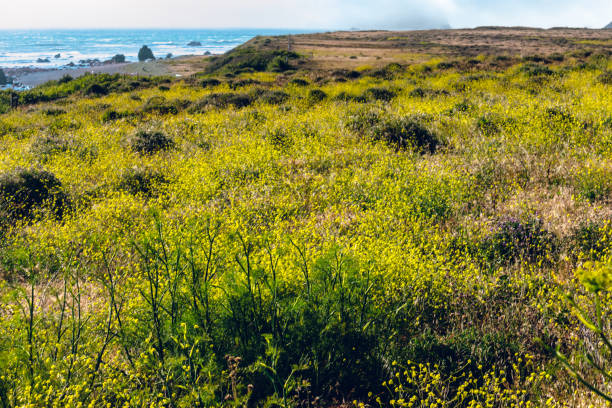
(28, 48)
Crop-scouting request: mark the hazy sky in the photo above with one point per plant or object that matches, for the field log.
(317, 14)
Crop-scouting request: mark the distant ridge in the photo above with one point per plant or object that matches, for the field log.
(608, 26)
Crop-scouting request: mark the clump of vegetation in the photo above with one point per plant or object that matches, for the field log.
(316, 96)
(160, 106)
(118, 59)
(405, 133)
(299, 82)
(605, 78)
(47, 146)
(210, 83)
(111, 115)
(145, 54)
(488, 124)
(248, 58)
(150, 142)
(536, 70)
(379, 94)
(24, 191)
(3, 78)
(142, 181)
(222, 101)
(515, 240)
(594, 183)
(272, 97)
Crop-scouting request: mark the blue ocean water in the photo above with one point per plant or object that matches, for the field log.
(24, 48)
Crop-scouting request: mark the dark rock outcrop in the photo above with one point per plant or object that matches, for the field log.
(609, 26)
(195, 44)
(145, 54)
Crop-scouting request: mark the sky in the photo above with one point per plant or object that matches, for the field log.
(305, 14)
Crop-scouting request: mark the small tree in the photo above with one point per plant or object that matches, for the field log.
(145, 53)
(3, 79)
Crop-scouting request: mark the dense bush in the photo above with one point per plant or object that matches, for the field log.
(3, 78)
(379, 94)
(160, 106)
(520, 240)
(279, 64)
(299, 82)
(535, 70)
(141, 181)
(244, 58)
(46, 146)
(25, 191)
(221, 101)
(210, 83)
(272, 97)
(150, 142)
(605, 78)
(405, 133)
(110, 115)
(316, 96)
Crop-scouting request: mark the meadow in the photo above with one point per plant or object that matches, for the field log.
(434, 234)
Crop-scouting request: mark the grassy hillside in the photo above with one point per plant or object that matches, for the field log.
(377, 235)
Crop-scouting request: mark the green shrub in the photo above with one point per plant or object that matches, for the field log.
(65, 79)
(346, 97)
(46, 146)
(605, 78)
(160, 106)
(488, 124)
(591, 240)
(299, 82)
(405, 133)
(316, 96)
(150, 142)
(594, 184)
(111, 115)
(272, 97)
(244, 58)
(96, 90)
(210, 83)
(379, 94)
(24, 191)
(53, 112)
(535, 70)
(145, 53)
(222, 101)
(514, 240)
(279, 64)
(363, 120)
(141, 181)
(3, 78)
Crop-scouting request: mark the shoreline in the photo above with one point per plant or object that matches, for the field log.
(29, 77)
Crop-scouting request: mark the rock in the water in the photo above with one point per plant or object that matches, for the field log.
(43, 60)
(195, 44)
(57, 56)
(145, 53)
